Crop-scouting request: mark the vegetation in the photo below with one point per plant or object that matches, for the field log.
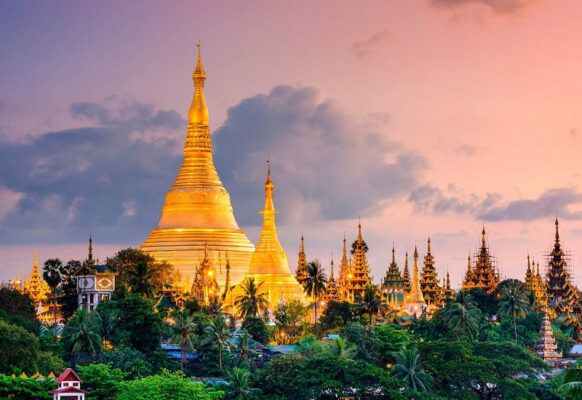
(141, 345)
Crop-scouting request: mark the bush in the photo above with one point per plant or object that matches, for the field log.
(19, 349)
(26, 389)
(257, 329)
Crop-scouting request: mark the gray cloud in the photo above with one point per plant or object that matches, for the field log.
(506, 7)
(431, 199)
(325, 165)
(552, 202)
(491, 207)
(362, 48)
(108, 178)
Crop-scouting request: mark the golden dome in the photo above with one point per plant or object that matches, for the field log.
(197, 210)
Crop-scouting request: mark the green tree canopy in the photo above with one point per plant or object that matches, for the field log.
(19, 350)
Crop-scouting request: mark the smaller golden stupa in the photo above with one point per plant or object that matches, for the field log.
(414, 303)
(269, 264)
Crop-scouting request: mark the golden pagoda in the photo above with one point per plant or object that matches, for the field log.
(392, 286)
(197, 211)
(429, 283)
(359, 276)
(406, 274)
(534, 282)
(301, 270)
(448, 293)
(333, 289)
(205, 287)
(35, 286)
(345, 274)
(269, 264)
(484, 275)
(414, 303)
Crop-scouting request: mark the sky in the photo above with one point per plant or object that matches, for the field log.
(422, 117)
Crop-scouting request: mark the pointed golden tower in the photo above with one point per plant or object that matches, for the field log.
(414, 302)
(301, 270)
(197, 210)
(269, 263)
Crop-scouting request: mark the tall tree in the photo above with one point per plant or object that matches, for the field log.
(82, 334)
(141, 280)
(51, 274)
(409, 369)
(125, 261)
(69, 299)
(253, 301)
(463, 316)
(239, 385)
(220, 335)
(514, 304)
(369, 303)
(315, 282)
(183, 332)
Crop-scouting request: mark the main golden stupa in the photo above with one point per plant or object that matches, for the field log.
(269, 266)
(198, 212)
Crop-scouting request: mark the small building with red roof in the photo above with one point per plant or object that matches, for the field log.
(69, 387)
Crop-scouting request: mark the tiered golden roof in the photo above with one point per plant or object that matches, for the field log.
(301, 270)
(35, 286)
(333, 288)
(484, 275)
(359, 276)
(269, 263)
(197, 210)
(429, 283)
(406, 274)
(392, 286)
(534, 282)
(205, 287)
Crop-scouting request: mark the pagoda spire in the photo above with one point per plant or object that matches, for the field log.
(414, 302)
(198, 113)
(301, 269)
(227, 290)
(406, 274)
(483, 238)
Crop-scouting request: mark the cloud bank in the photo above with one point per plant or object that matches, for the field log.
(501, 7)
(326, 165)
(108, 177)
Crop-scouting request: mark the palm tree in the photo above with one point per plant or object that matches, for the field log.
(107, 319)
(141, 279)
(239, 387)
(214, 306)
(52, 276)
(409, 369)
(315, 283)
(571, 386)
(219, 335)
(513, 304)
(82, 333)
(252, 301)
(463, 316)
(369, 303)
(245, 353)
(342, 349)
(183, 332)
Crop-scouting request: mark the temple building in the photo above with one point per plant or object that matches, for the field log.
(448, 293)
(333, 288)
(546, 347)
(345, 273)
(35, 286)
(205, 286)
(483, 275)
(392, 286)
(534, 282)
(269, 264)
(359, 275)
(197, 211)
(95, 283)
(429, 283)
(414, 303)
(301, 270)
(563, 297)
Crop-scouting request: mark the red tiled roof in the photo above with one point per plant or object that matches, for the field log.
(69, 389)
(69, 375)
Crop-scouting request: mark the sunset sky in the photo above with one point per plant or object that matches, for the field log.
(424, 117)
